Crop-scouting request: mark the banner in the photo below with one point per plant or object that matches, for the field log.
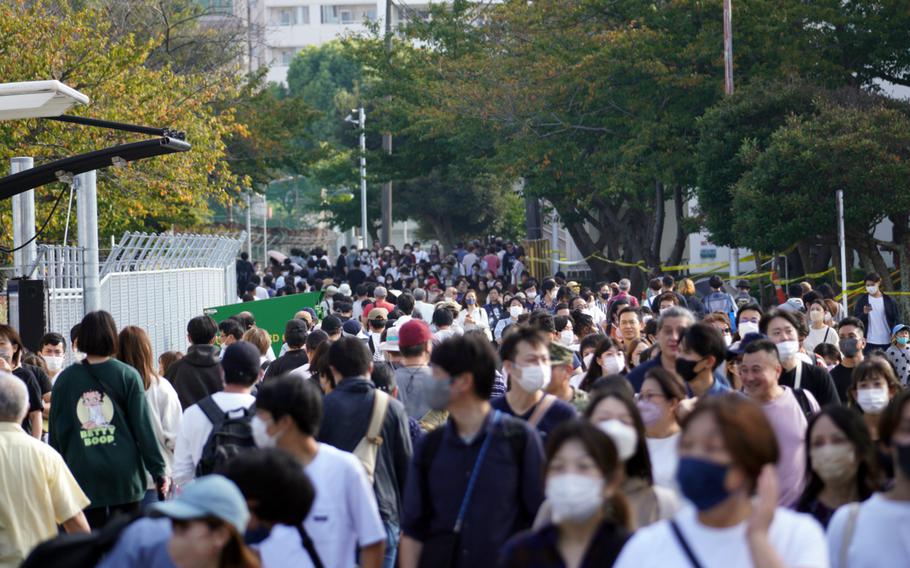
(271, 315)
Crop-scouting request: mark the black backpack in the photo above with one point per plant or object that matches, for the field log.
(79, 549)
(232, 433)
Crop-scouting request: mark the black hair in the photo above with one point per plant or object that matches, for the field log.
(872, 277)
(294, 336)
(828, 350)
(383, 376)
(716, 282)
(342, 307)
(74, 333)
(854, 428)
(469, 353)
(98, 334)
(705, 340)
(639, 465)
(246, 319)
(406, 303)
(289, 396)
(276, 488)
(52, 338)
(765, 345)
(855, 322)
(542, 320)
(442, 316)
(315, 338)
(560, 322)
(790, 317)
(350, 357)
(200, 329)
(231, 327)
(524, 333)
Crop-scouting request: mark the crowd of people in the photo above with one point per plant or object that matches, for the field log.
(441, 410)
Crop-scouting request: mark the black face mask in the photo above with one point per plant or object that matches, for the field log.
(686, 369)
(849, 347)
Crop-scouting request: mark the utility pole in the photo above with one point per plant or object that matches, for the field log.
(265, 232)
(362, 118)
(87, 215)
(23, 220)
(728, 91)
(249, 225)
(385, 203)
(842, 241)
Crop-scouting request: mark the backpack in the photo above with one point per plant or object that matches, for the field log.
(368, 448)
(803, 402)
(718, 302)
(232, 433)
(80, 549)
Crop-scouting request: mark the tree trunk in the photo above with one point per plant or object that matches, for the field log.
(901, 237)
(588, 248)
(873, 261)
(679, 246)
(805, 257)
(653, 256)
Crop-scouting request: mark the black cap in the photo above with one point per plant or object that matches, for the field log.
(743, 284)
(240, 362)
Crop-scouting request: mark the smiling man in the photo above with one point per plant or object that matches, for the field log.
(670, 326)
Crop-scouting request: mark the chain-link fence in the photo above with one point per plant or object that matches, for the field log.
(157, 282)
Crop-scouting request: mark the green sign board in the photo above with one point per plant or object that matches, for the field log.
(271, 315)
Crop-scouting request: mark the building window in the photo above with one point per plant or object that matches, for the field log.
(283, 16)
(218, 6)
(282, 56)
(348, 13)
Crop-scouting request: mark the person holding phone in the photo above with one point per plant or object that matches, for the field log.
(878, 312)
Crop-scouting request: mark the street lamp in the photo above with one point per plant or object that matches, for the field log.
(359, 118)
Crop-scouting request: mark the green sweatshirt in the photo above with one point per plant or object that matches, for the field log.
(107, 445)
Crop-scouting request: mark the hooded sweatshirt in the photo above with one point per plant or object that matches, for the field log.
(197, 375)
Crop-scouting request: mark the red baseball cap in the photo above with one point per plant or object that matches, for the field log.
(414, 332)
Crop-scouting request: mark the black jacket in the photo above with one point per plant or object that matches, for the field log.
(293, 359)
(814, 379)
(892, 312)
(346, 417)
(197, 375)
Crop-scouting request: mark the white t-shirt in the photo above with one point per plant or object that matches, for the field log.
(664, 459)
(344, 516)
(195, 430)
(818, 336)
(881, 536)
(283, 548)
(797, 538)
(879, 334)
(166, 415)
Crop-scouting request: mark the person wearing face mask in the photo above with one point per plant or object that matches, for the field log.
(878, 312)
(344, 518)
(658, 402)
(241, 370)
(873, 533)
(874, 384)
(562, 364)
(747, 320)
(701, 352)
(525, 358)
(564, 327)
(12, 352)
(501, 453)
(516, 308)
(590, 516)
(782, 328)
(726, 454)
(472, 316)
(53, 350)
(899, 352)
(613, 410)
(841, 466)
(819, 330)
(607, 360)
(786, 409)
(851, 341)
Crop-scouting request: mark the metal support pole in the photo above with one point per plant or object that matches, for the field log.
(87, 204)
(265, 233)
(249, 226)
(385, 202)
(23, 220)
(842, 241)
(554, 243)
(728, 91)
(363, 176)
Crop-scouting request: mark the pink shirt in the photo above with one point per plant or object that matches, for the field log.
(789, 424)
(492, 263)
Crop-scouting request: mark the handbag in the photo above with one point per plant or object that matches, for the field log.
(439, 551)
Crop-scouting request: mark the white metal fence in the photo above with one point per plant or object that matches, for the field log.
(157, 282)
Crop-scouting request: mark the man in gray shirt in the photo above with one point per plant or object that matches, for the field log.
(414, 377)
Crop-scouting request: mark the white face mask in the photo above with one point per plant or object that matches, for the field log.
(574, 497)
(531, 295)
(261, 435)
(728, 339)
(872, 400)
(787, 349)
(54, 363)
(872, 290)
(747, 327)
(624, 437)
(78, 356)
(834, 462)
(567, 337)
(534, 377)
(515, 311)
(816, 316)
(612, 364)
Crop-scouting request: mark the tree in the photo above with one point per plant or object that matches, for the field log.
(48, 40)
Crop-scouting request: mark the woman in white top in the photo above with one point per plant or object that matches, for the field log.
(135, 349)
(473, 316)
(726, 455)
(874, 533)
(819, 329)
(658, 401)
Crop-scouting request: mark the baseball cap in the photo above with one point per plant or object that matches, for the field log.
(899, 327)
(378, 313)
(240, 360)
(209, 496)
(352, 327)
(560, 354)
(413, 332)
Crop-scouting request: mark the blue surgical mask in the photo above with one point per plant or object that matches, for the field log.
(702, 482)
